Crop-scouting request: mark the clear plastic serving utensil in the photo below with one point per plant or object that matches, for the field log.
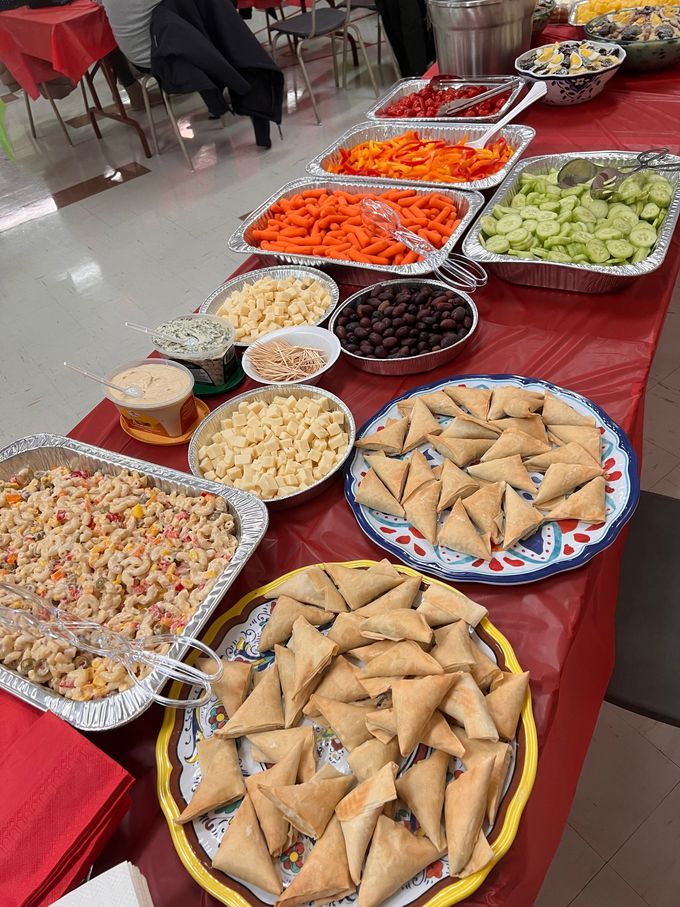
(537, 90)
(191, 343)
(456, 271)
(130, 391)
(40, 618)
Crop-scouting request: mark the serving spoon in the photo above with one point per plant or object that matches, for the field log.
(191, 343)
(130, 391)
(607, 179)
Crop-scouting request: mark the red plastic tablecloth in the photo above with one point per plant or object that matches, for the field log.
(37, 44)
(562, 628)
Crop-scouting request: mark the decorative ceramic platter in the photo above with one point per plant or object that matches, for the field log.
(236, 635)
(556, 546)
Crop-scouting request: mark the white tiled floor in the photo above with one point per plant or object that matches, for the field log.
(157, 246)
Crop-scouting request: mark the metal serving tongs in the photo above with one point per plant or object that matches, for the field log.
(457, 271)
(44, 619)
(605, 180)
(451, 107)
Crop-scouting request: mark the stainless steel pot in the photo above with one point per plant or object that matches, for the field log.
(480, 37)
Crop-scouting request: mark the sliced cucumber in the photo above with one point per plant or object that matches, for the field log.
(546, 228)
(508, 223)
(620, 248)
(597, 252)
(497, 244)
(488, 225)
(643, 235)
(640, 255)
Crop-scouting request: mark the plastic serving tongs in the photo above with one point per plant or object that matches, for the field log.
(40, 618)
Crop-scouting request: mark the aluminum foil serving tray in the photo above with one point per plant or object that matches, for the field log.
(579, 278)
(405, 87)
(45, 451)
(518, 137)
(467, 204)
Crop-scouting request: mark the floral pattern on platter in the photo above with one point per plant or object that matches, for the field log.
(557, 546)
(241, 642)
(565, 91)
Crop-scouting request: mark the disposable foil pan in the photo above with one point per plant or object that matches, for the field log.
(518, 137)
(579, 278)
(45, 451)
(573, 13)
(467, 204)
(217, 297)
(207, 428)
(405, 87)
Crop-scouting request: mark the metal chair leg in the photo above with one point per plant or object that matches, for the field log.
(152, 125)
(89, 111)
(355, 31)
(30, 115)
(176, 129)
(336, 75)
(345, 38)
(379, 40)
(56, 112)
(307, 82)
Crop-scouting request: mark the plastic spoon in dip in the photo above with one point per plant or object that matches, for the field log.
(191, 343)
(131, 391)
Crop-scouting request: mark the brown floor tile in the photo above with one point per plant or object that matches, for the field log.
(10, 96)
(608, 889)
(575, 864)
(666, 738)
(97, 184)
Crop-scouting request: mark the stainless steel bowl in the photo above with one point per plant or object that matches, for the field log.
(408, 365)
(217, 297)
(207, 428)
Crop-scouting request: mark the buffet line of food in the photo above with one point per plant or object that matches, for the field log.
(363, 707)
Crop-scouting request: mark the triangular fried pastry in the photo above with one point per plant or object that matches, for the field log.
(359, 587)
(391, 471)
(562, 478)
(485, 510)
(482, 855)
(341, 683)
(414, 702)
(476, 400)
(346, 631)
(521, 519)
(466, 704)
(221, 780)
(422, 424)
(455, 483)
(275, 827)
(243, 851)
(261, 711)
(469, 427)
(568, 453)
(325, 874)
(459, 534)
(367, 760)
(420, 472)
(437, 402)
(292, 703)
(368, 653)
(285, 611)
(514, 401)
(347, 719)
(402, 596)
(377, 686)
(232, 687)
(382, 724)
(358, 814)
(395, 857)
(476, 751)
(421, 510)
(313, 654)
(532, 425)
(272, 746)
(439, 736)
(515, 442)
(309, 806)
(312, 587)
(453, 649)
(587, 504)
(442, 605)
(465, 805)
(505, 701)
(585, 435)
(507, 469)
(402, 659)
(461, 451)
(390, 439)
(557, 412)
(398, 625)
(484, 670)
(372, 493)
(421, 788)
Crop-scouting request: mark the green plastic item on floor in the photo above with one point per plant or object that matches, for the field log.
(4, 138)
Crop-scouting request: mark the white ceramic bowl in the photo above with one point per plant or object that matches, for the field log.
(304, 335)
(563, 91)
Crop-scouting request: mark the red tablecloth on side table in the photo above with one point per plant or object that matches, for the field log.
(37, 44)
(562, 629)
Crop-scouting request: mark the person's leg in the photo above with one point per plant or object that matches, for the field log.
(215, 102)
(121, 67)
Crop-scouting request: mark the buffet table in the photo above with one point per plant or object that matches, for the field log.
(562, 629)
